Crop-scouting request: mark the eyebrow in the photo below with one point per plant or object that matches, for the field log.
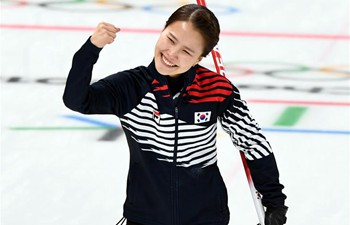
(187, 48)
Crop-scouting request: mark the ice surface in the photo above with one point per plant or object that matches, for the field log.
(59, 167)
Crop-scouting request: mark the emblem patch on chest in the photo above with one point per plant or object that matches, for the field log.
(202, 117)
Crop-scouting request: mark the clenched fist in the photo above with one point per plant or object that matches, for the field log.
(105, 33)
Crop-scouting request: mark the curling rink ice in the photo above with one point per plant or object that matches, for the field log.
(290, 60)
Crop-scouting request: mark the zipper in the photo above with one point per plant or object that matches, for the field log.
(175, 172)
(177, 101)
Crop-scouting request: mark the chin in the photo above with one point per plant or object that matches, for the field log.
(162, 69)
(158, 66)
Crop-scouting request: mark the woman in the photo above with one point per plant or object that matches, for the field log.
(169, 112)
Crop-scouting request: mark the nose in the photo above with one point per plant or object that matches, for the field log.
(173, 52)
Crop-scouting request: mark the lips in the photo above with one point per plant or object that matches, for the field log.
(167, 62)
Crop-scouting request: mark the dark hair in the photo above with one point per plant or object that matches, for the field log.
(203, 20)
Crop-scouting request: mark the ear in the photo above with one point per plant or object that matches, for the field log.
(198, 60)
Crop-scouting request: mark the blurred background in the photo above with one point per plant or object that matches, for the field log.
(290, 60)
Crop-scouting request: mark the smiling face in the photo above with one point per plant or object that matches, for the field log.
(178, 48)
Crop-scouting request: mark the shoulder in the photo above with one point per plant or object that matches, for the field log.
(138, 76)
(207, 78)
(137, 71)
(209, 86)
(221, 84)
(140, 71)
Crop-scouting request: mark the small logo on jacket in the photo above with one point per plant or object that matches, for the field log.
(156, 116)
(202, 117)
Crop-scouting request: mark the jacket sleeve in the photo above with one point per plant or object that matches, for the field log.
(102, 97)
(246, 135)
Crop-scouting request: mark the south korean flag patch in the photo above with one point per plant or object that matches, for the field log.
(202, 117)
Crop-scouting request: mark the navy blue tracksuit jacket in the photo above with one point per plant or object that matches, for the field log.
(173, 176)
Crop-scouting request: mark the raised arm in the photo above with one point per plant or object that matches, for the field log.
(79, 95)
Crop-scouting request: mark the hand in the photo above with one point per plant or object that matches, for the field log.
(105, 33)
(276, 215)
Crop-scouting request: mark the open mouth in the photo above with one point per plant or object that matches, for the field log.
(167, 62)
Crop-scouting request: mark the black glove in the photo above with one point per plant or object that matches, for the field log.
(276, 215)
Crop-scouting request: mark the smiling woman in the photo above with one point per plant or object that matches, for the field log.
(169, 112)
(173, 56)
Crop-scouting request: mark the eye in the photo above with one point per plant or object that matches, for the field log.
(187, 52)
(171, 40)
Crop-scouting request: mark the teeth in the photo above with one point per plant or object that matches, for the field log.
(167, 62)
